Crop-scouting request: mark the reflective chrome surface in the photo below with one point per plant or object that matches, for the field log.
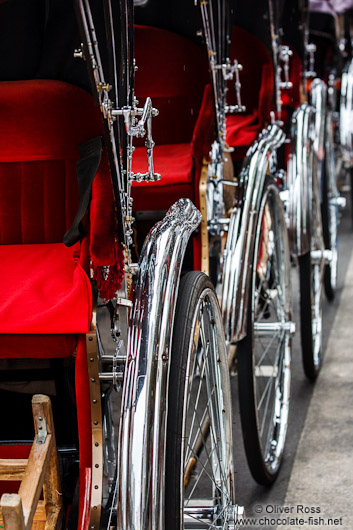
(346, 113)
(241, 233)
(140, 500)
(318, 95)
(299, 175)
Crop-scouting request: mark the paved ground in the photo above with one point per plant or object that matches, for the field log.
(316, 481)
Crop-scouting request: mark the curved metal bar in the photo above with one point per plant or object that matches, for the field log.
(144, 406)
(346, 114)
(318, 98)
(241, 234)
(299, 175)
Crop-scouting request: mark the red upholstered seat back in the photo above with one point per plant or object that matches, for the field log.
(173, 71)
(257, 79)
(41, 125)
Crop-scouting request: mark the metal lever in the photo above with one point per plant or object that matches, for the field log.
(139, 131)
(228, 70)
(311, 49)
(285, 53)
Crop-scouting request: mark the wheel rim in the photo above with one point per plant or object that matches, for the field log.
(271, 331)
(206, 481)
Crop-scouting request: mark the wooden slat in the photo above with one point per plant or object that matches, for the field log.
(12, 512)
(39, 472)
(39, 517)
(51, 486)
(12, 469)
(38, 460)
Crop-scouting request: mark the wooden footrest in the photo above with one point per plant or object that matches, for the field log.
(40, 472)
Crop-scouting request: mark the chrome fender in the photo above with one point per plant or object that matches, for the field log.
(318, 98)
(346, 113)
(144, 402)
(299, 177)
(237, 266)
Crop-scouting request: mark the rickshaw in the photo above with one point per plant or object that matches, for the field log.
(132, 354)
(314, 200)
(254, 270)
(345, 104)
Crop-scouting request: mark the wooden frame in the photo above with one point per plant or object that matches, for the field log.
(39, 473)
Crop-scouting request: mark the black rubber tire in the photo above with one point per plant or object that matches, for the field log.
(192, 285)
(260, 467)
(311, 365)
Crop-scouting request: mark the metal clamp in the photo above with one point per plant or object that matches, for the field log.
(42, 430)
(138, 130)
(285, 53)
(311, 49)
(229, 70)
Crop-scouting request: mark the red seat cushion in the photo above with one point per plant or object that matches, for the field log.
(242, 129)
(44, 290)
(175, 164)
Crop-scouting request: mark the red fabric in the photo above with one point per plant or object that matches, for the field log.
(11, 452)
(102, 216)
(36, 346)
(105, 249)
(85, 497)
(173, 71)
(42, 124)
(204, 131)
(175, 164)
(110, 280)
(38, 200)
(45, 120)
(252, 54)
(257, 90)
(50, 283)
(242, 129)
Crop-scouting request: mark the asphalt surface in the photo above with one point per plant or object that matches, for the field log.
(311, 435)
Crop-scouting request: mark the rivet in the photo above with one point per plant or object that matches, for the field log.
(92, 379)
(97, 466)
(94, 508)
(96, 444)
(95, 422)
(90, 339)
(94, 401)
(91, 359)
(96, 487)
